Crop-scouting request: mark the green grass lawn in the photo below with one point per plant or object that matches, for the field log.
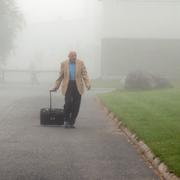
(155, 117)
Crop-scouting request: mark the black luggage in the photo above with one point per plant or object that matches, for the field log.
(51, 116)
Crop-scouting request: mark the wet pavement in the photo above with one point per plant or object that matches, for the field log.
(91, 151)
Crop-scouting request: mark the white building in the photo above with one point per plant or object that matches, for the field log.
(141, 34)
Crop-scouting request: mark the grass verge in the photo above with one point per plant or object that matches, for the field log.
(155, 117)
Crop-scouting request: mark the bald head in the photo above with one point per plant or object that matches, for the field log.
(72, 55)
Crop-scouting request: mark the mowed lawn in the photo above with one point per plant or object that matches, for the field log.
(155, 117)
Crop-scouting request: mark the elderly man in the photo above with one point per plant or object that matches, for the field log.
(72, 75)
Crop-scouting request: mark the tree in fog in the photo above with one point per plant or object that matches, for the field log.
(11, 21)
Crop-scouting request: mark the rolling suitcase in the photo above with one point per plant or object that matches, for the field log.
(51, 116)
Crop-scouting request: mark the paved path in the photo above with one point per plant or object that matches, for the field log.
(92, 151)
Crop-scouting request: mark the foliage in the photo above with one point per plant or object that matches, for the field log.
(144, 80)
(11, 20)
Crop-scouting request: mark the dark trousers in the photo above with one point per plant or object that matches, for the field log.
(72, 102)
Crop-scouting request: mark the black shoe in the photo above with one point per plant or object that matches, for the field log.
(66, 124)
(72, 126)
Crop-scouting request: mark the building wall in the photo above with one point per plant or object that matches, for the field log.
(159, 56)
(140, 34)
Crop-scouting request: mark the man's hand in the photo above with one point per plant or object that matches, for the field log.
(53, 90)
(89, 88)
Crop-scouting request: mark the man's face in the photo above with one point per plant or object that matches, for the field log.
(72, 56)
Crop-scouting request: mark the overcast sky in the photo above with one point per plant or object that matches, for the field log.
(49, 10)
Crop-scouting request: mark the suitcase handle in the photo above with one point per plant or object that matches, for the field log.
(50, 95)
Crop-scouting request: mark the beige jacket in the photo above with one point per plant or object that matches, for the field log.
(81, 77)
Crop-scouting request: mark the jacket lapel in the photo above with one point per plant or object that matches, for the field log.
(67, 69)
(76, 69)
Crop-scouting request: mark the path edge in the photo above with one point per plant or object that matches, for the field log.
(160, 167)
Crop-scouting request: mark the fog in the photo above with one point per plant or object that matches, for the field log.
(112, 37)
(142, 19)
(129, 95)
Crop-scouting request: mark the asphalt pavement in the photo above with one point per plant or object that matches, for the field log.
(92, 151)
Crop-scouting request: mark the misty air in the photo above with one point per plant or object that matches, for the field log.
(89, 89)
